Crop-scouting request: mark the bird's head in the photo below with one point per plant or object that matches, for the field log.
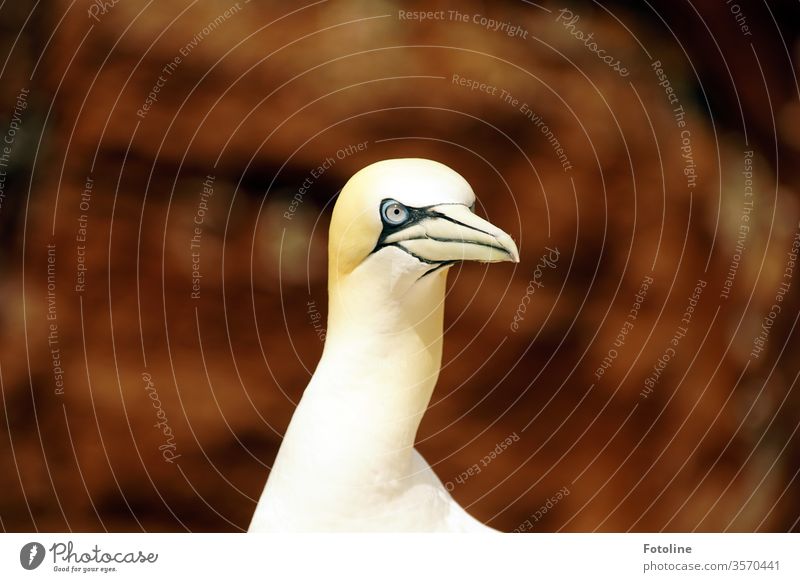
(409, 218)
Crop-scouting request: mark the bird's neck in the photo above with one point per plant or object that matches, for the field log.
(384, 345)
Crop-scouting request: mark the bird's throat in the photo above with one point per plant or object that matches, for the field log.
(384, 345)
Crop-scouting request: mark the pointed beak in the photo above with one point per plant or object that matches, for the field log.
(450, 233)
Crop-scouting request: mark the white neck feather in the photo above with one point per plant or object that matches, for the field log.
(385, 337)
(350, 443)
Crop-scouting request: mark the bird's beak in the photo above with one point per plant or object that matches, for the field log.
(451, 232)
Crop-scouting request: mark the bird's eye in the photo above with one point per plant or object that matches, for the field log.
(393, 212)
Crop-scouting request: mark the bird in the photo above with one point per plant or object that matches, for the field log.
(347, 461)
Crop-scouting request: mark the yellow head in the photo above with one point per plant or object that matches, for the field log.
(410, 216)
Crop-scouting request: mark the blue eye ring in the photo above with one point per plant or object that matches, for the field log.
(394, 213)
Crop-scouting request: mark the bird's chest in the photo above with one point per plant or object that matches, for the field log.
(413, 503)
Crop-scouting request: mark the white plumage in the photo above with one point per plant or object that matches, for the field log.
(347, 461)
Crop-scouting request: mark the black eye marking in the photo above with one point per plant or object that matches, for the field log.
(409, 216)
(397, 216)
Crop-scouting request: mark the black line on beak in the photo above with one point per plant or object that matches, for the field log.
(454, 221)
(441, 265)
(420, 259)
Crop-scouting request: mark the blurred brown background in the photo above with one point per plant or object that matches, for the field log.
(264, 92)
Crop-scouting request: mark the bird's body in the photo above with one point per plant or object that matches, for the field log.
(347, 461)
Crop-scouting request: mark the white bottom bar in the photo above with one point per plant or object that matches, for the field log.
(401, 557)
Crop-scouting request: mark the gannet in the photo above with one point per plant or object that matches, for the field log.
(347, 461)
